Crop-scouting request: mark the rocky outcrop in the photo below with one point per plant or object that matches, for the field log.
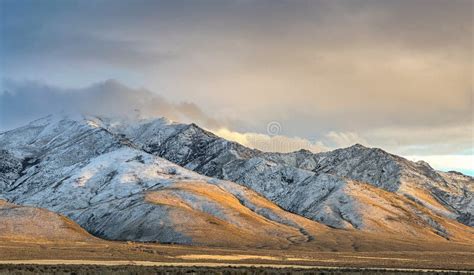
(10, 169)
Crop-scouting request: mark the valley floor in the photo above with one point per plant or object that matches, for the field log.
(15, 256)
(199, 269)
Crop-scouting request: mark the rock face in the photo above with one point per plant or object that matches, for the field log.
(10, 168)
(154, 180)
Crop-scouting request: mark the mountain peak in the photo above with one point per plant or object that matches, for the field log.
(359, 146)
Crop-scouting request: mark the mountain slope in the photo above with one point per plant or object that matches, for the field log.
(29, 224)
(275, 174)
(75, 167)
(448, 194)
(108, 176)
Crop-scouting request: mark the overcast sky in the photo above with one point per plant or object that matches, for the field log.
(276, 75)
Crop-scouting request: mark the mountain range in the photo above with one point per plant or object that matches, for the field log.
(154, 180)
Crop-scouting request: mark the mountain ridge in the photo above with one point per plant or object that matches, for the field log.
(124, 166)
(356, 162)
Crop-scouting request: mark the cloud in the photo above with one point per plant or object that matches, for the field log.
(447, 140)
(25, 101)
(270, 143)
(345, 139)
(391, 74)
(278, 143)
(462, 163)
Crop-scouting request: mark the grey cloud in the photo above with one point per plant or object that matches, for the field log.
(74, 26)
(26, 101)
(80, 48)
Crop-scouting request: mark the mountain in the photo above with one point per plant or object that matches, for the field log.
(76, 167)
(317, 186)
(155, 180)
(447, 194)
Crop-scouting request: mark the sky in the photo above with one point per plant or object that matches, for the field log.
(271, 74)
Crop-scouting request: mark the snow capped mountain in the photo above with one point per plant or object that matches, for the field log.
(447, 194)
(156, 180)
(278, 175)
(75, 167)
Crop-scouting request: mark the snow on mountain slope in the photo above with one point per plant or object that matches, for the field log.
(29, 224)
(274, 175)
(117, 192)
(447, 194)
(109, 177)
(340, 202)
